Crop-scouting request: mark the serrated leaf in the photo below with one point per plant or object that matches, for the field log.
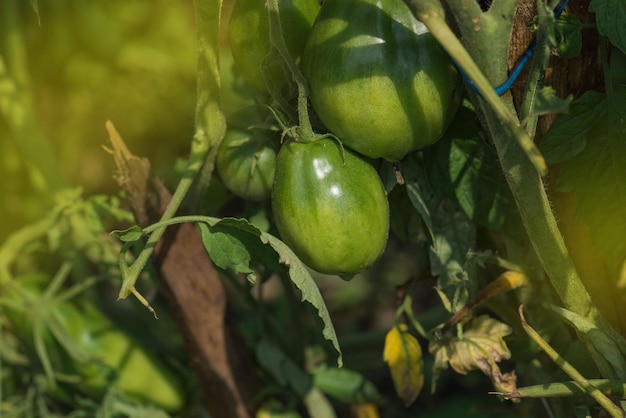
(481, 347)
(610, 18)
(567, 136)
(547, 102)
(403, 356)
(301, 277)
(597, 176)
(246, 243)
(466, 168)
(345, 385)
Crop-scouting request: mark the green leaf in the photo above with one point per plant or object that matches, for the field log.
(246, 243)
(455, 235)
(597, 175)
(610, 18)
(345, 385)
(132, 234)
(606, 353)
(317, 405)
(452, 234)
(419, 193)
(226, 248)
(567, 136)
(466, 168)
(404, 220)
(547, 102)
(569, 36)
(301, 277)
(282, 368)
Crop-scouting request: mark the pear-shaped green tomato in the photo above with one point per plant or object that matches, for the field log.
(378, 80)
(330, 207)
(249, 37)
(245, 163)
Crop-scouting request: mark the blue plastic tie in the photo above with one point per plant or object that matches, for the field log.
(504, 87)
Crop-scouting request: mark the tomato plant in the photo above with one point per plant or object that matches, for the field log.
(245, 162)
(250, 40)
(330, 207)
(378, 79)
(462, 229)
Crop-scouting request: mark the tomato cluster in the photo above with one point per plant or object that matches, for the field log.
(383, 86)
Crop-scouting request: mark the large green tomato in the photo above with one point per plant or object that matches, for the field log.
(378, 80)
(250, 39)
(245, 163)
(332, 212)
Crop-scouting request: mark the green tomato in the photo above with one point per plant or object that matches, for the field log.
(249, 37)
(332, 212)
(378, 79)
(245, 163)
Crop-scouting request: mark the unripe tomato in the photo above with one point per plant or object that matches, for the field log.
(245, 163)
(378, 80)
(249, 36)
(333, 213)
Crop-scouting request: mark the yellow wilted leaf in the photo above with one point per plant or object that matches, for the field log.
(481, 347)
(403, 355)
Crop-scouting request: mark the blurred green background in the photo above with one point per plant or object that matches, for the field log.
(79, 63)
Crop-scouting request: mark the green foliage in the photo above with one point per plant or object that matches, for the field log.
(450, 231)
(567, 136)
(607, 354)
(586, 142)
(464, 208)
(569, 36)
(546, 102)
(610, 15)
(345, 385)
(465, 166)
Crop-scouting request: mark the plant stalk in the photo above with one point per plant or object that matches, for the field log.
(521, 173)
(210, 128)
(593, 391)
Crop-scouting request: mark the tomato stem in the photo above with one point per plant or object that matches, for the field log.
(305, 130)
